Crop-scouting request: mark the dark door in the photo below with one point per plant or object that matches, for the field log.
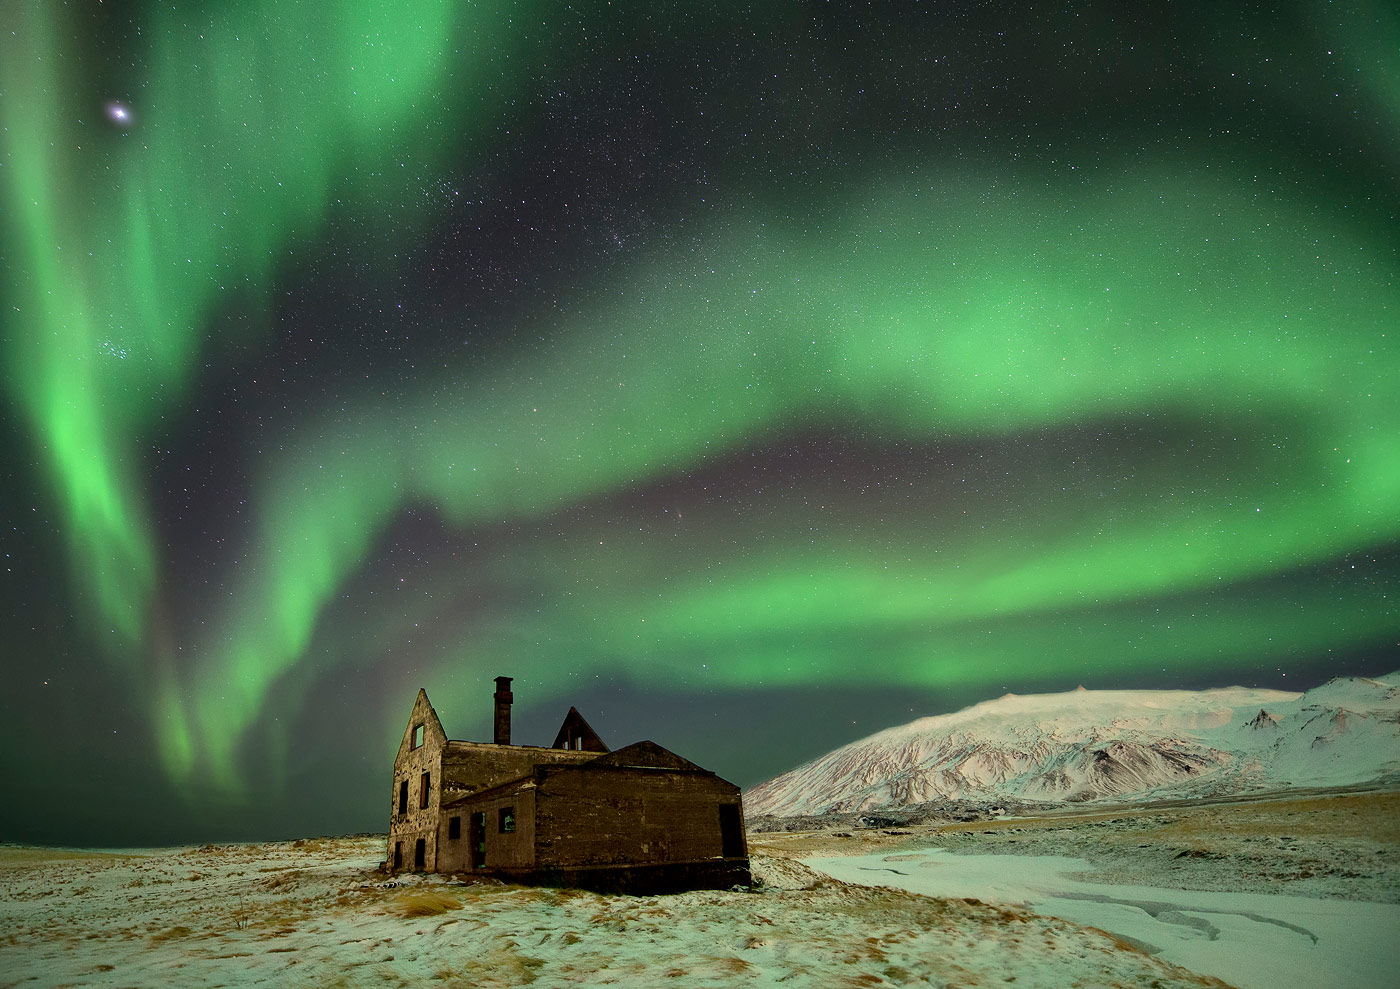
(420, 848)
(398, 855)
(478, 840)
(731, 835)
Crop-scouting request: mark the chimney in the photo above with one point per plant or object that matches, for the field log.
(503, 699)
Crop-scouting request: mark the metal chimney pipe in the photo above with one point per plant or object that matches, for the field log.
(503, 699)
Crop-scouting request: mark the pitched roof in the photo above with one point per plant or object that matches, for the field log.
(638, 755)
(576, 733)
(644, 755)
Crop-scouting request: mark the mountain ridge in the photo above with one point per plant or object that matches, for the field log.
(1088, 745)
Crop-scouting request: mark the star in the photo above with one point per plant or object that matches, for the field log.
(118, 113)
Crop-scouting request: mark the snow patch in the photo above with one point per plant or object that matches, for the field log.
(1247, 939)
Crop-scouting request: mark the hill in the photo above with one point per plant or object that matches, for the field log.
(1120, 745)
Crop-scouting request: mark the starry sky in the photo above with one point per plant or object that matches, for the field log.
(751, 376)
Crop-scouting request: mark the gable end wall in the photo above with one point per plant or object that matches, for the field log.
(418, 822)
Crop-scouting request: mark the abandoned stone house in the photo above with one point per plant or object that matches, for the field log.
(639, 819)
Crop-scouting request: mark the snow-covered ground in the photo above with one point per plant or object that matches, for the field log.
(1247, 939)
(1236, 890)
(1119, 745)
(317, 913)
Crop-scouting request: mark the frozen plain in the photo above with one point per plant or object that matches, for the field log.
(1250, 940)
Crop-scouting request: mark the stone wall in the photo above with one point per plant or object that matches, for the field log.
(510, 850)
(620, 816)
(416, 821)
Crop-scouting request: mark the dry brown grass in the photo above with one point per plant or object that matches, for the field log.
(426, 903)
(500, 965)
(20, 857)
(314, 844)
(1375, 816)
(732, 966)
(171, 933)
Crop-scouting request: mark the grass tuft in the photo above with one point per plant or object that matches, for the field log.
(427, 903)
(170, 933)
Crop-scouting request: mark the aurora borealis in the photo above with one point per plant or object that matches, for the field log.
(753, 377)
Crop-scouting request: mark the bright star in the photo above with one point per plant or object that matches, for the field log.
(118, 113)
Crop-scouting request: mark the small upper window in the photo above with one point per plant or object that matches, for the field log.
(417, 736)
(507, 819)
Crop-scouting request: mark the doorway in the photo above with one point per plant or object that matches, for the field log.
(420, 855)
(731, 832)
(478, 840)
(398, 855)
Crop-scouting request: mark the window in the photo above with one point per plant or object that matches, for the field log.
(423, 791)
(403, 796)
(454, 828)
(417, 737)
(507, 820)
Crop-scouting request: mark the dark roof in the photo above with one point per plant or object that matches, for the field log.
(638, 755)
(643, 755)
(578, 730)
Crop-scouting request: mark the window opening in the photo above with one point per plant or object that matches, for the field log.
(417, 737)
(507, 820)
(403, 796)
(423, 791)
(420, 855)
(454, 828)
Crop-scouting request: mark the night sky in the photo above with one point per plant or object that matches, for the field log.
(753, 377)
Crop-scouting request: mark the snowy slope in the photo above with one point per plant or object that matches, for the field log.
(1119, 744)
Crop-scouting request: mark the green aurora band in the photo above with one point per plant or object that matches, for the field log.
(246, 131)
(249, 132)
(953, 304)
(946, 312)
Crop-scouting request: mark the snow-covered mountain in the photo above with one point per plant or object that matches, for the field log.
(1118, 744)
